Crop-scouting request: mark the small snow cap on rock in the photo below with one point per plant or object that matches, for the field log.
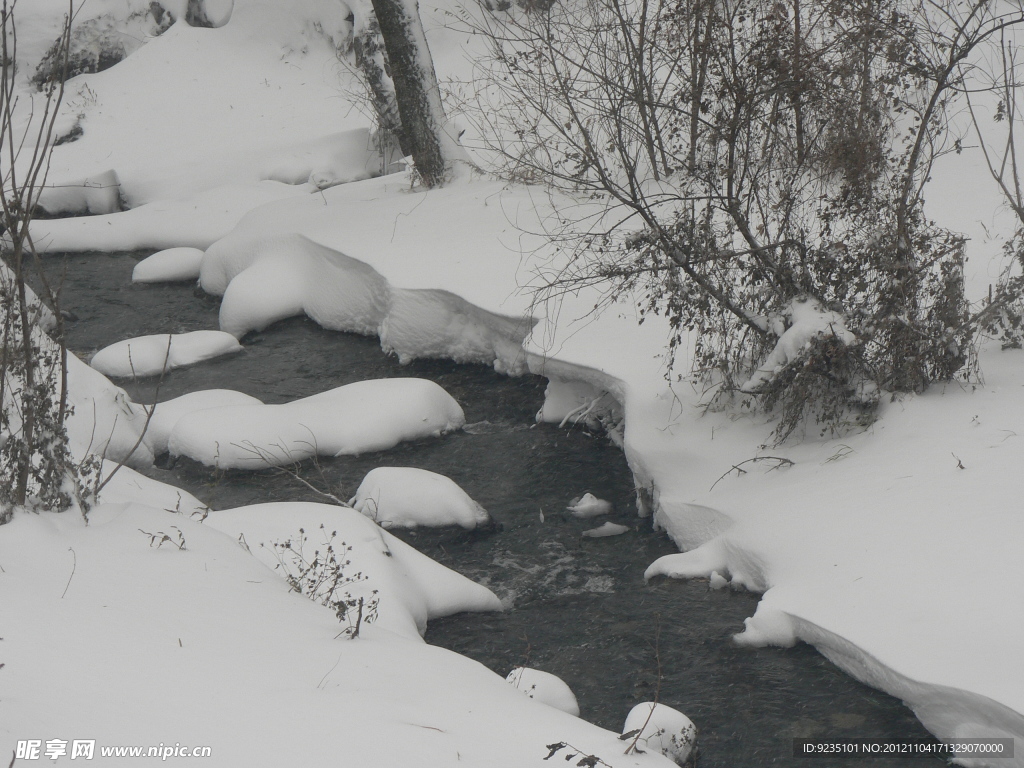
(588, 505)
(608, 529)
(152, 355)
(657, 728)
(545, 688)
(169, 266)
(405, 497)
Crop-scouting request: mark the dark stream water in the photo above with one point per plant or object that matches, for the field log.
(578, 607)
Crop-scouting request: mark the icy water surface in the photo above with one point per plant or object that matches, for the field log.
(577, 607)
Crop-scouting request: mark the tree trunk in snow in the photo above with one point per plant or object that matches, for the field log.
(371, 59)
(416, 91)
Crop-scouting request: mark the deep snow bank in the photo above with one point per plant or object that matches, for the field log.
(165, 667)
(258, 97)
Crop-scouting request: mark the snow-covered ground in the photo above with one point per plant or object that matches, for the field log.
(895, 551)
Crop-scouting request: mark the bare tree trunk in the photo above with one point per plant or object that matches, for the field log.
(368, 46)
(416, 90)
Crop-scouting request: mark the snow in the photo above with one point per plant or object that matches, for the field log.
(879, 550)
(167, 413)
(411, 588)
(356, 418)
(175, 639)
(588, 505)
(104, 421)
(95, 195)
(264, 279)
(169, 265)
(406, 497)
(158, 353)
(802, 321)
(605, 530)
(658, 728)
(545, 688)
(124, 485)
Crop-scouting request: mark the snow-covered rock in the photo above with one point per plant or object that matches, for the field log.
(169, 265)
(608, 529)
(152, 355)
(658, 728)
(357, 418)
(405, 497)
(588, 505)
(94, 195)
(544, 687)
(167, 413)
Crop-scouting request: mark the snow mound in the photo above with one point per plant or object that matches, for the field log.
(608, 529)
(545, 688)
(104, 421)
(94, 195)
(362, 417)
(588, 505)
(404, 497)
(196, 220)
(128, 486)
(661, 729)
(267, 278)
(169, 265)
(152, 355)
(169, 412)
(410, 587)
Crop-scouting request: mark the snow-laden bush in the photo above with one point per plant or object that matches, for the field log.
(101, 40)
(742, 160)
(37, 469)
(325, 578)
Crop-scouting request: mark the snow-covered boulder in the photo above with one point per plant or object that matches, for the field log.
(362, 417)
(405, 497)
(94, 195)
(545, 688)
(606, 530)
(168, 413)
(588, 505)
(168, 266)
(657, 728)
(264, 280)
(152, 355)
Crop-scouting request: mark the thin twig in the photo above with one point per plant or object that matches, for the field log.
(74, 565)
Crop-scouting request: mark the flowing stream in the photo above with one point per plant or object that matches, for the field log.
(576, 607)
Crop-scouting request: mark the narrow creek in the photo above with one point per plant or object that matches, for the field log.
(576, 607)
